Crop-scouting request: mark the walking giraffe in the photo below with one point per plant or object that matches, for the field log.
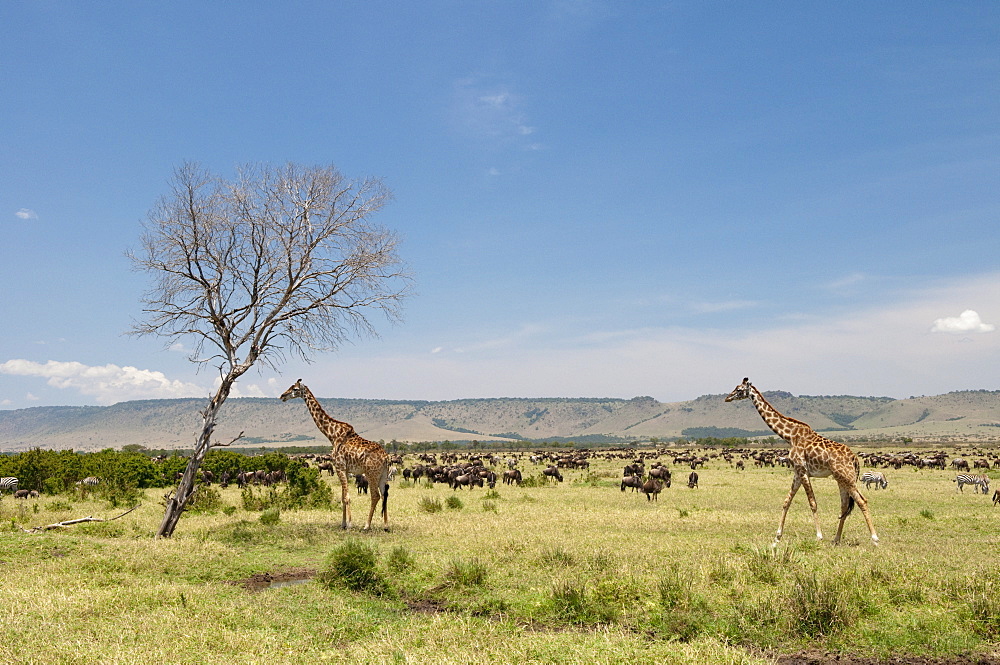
(811, 456)
(351, 454)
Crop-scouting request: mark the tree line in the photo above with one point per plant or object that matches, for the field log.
(57, 471)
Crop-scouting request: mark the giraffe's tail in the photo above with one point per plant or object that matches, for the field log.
(385, 499)
(850, 507)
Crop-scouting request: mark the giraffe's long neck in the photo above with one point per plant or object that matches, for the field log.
(334, 430)
(779, 424)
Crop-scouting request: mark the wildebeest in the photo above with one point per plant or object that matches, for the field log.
(512, 477)
(652, 487)
(661, 472)
(693, 480)
(635, 482)
(553, 472)
(467, 479)
(996, 497)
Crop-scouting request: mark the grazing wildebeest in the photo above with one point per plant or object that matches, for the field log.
(693, 480)
(996, 497)
(467, 479)
(652, 487)
(635, 482)
(21, 494)
(512, 477)
(361, 482)
(553, 472)
(661, 472)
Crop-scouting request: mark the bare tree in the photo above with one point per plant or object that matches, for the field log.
(278, 261)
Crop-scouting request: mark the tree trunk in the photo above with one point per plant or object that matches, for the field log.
(177, 501)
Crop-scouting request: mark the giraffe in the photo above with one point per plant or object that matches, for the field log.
(351, 454)
(811, 456)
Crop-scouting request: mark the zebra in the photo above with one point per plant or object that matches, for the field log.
(91, 481)
(982, 483)
(874, 477)
(8, 484)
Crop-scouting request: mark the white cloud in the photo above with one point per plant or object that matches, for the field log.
(727, 306)
(107, 384)
(26, 213)
(491, 111)
(885, 350)
(966, 322)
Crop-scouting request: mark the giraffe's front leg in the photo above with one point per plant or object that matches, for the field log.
(345, 498)
(796, 481)
(812, 504)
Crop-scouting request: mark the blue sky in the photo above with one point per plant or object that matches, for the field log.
(595, 198)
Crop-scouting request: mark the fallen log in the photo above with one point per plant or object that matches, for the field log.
(78, 520)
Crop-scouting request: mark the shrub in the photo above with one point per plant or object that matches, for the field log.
(573, 603)
(557, 556)
(353, 565)
(461, 572)
(489, 507)
(821, 606)
(400, 559)
(453, 503)
(205, 500)
(429, 505)
(270, 516)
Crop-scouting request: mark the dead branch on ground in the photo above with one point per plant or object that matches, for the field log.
(79, 520)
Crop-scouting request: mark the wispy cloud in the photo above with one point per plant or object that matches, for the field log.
(492, 111)
(26, 213)
(966, 322)
(879, 350)
(725, 306)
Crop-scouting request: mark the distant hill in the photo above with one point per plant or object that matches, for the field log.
(958, 416)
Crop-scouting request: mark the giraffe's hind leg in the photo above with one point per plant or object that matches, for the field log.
(847, 502)
(863, 504)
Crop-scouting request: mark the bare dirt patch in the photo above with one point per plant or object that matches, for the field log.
(820, 657)
(267, 580)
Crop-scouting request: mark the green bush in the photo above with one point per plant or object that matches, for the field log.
(821, 606)
(400, 559)
(270, 516)
(466, 572)
(205, 500)
(353, 565)
(453, 503)
(429, 505)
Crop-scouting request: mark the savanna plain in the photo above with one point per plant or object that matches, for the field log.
(550, 572)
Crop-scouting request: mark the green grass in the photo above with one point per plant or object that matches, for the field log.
(557, 573)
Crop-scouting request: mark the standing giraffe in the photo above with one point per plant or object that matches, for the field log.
(811, 456)
(351, 454)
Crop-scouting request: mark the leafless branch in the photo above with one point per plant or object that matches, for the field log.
(78, 520)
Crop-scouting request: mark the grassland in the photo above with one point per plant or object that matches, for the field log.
(572, 572)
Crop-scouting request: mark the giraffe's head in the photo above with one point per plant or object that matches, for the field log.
(297, 390)
(741, 391)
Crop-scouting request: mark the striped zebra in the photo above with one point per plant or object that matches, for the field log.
(8, 484)
(982, 483)
(874, 477)
(91, 481)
